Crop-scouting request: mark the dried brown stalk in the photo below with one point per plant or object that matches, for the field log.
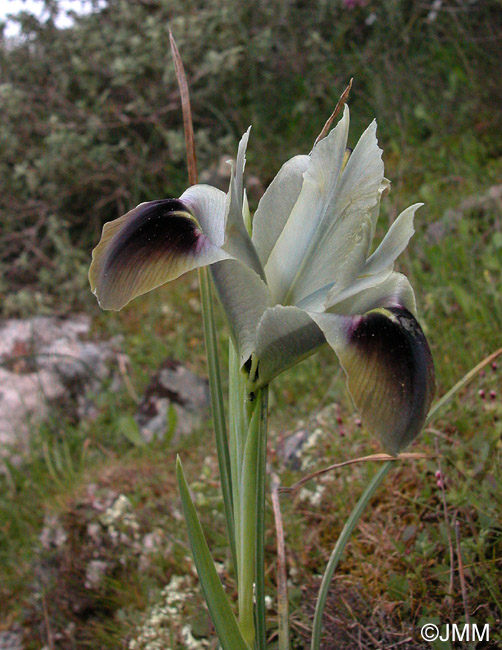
(187, 112)
(343, 99)
(461, 573)
(282, 577)
(352, 461)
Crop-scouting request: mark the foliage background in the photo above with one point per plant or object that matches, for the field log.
(91, 120)
(91, 125)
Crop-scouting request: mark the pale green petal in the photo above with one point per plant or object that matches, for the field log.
(383, 191)
(389, 288)
(389, 368)
(286, 335)
(337, 251)
(244, 297)
(394, 242)
(375, 270)
(276, 205)
(246, 212)
(150, 245)
(352, 260)
(237, 241)
(299, 236)
(208, 205)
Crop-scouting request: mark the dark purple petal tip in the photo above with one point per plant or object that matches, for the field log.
(146, 247)
(391, 374)
(159, 228)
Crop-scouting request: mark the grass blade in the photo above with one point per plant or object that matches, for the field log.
(460, 384)
(338, 550)
(222, 615)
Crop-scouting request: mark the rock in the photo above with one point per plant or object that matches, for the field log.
(289, 448)
(53, 535)
(11, 640)
(44, 362)
(175, 399)
(95, 573)
(94, 543)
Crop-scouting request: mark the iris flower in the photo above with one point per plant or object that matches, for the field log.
(306, 275)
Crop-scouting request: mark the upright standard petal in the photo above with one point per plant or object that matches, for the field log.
(237, 241)
(394, 242)
(389, 368)
(276, 205)
(340, 246)
(347, 275)
(299, 236)
(383, 191)
(378, 267)
(150, 245)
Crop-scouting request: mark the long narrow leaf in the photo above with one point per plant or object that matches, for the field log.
(208, 317)
(220, 429)
(222, 615)
(234, 442)
(460, 384)
(186, 110)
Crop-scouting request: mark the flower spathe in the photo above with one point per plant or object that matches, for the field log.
(306, 276)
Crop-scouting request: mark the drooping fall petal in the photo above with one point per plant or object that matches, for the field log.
(391, 289)
(208, 206)
(389, 368)
(286, 335)
(150, 245)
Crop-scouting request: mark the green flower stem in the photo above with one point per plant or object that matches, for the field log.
(217, 406)
(247, 542)
(340, 547)
(261, 479)
(247, 443)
